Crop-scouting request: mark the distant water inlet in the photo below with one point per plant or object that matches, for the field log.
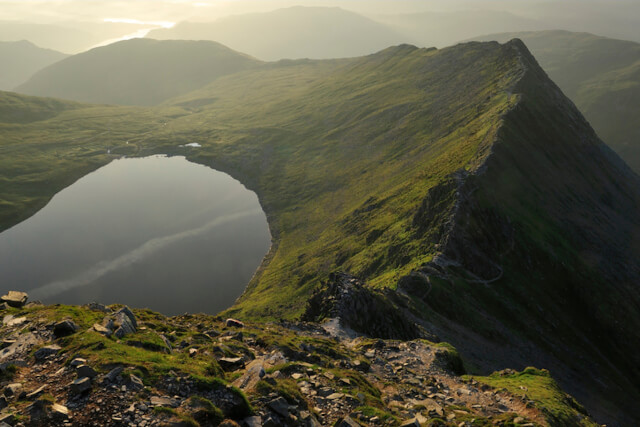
(156, 232)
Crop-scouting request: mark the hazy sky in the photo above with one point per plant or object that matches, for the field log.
(176, 10)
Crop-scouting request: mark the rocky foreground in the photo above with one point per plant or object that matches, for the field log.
(98, 365)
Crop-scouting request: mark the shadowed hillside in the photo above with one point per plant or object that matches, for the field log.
(20, 60)
(137, 72)
(296, 32)
(601, 75)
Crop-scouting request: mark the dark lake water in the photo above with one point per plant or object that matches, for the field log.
(157, 232)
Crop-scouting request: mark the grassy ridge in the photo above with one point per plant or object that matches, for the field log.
(601, 75)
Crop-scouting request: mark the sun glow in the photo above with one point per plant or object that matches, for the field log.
(163, 24)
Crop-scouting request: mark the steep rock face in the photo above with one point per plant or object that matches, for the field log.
(541, 258)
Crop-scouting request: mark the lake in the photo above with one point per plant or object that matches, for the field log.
(157, 232)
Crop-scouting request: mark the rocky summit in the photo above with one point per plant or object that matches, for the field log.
(205, 370)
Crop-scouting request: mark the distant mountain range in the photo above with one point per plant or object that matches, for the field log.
(20, 60)
(137, 71)
(67, 37)
(601, 75)
(296, 32)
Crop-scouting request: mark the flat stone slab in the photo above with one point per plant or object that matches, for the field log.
(15, 298)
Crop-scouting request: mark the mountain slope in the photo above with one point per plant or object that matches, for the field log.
(601, 75)
(136, 72)
(296, 32)
(20, 60)
(460, 181)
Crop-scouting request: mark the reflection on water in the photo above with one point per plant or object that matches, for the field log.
(156, 232)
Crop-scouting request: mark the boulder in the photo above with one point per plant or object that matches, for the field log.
(77, 362)
(59, 412)
(80, 385)
(64, 328)
(102, 330)
(254, 421)
(126, 312)
(12, 390)
(347, 422)
(15, 299)
(46, 351)
(164, 401)
(233, 323)
(113, 374)
(134, 383)
(36, 393)
(231, 363)
(280, 406)
(126, 321)
(98, 307)
(86, 371)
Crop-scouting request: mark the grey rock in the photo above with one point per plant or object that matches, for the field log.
(3, 306)
(135, 383)
(102, 330)
(8, 419)
(12, 390)
(12, 321)
(126, 312)
(46, 351)
(279, 406)
(113, 374)
(59, 411)
(271, 422)
(164, 401)
(36, 393)
(86, 371)
(234, 323)
(410, 423)
(98, 307)
(64, 328)
(80, 385)
(15, 298)
(77, 362)
(347, 422)
(231, 363)
(254, 421)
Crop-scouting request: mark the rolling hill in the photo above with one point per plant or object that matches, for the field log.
(136, 72)
(460, 185)
(20, 60)
(601, 75)
(295, 32)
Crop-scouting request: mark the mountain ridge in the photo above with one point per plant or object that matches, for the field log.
(599, 74)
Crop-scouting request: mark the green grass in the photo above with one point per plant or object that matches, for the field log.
(559, 408)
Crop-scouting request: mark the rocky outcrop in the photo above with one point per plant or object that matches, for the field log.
(362, 309)
(15, 298)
